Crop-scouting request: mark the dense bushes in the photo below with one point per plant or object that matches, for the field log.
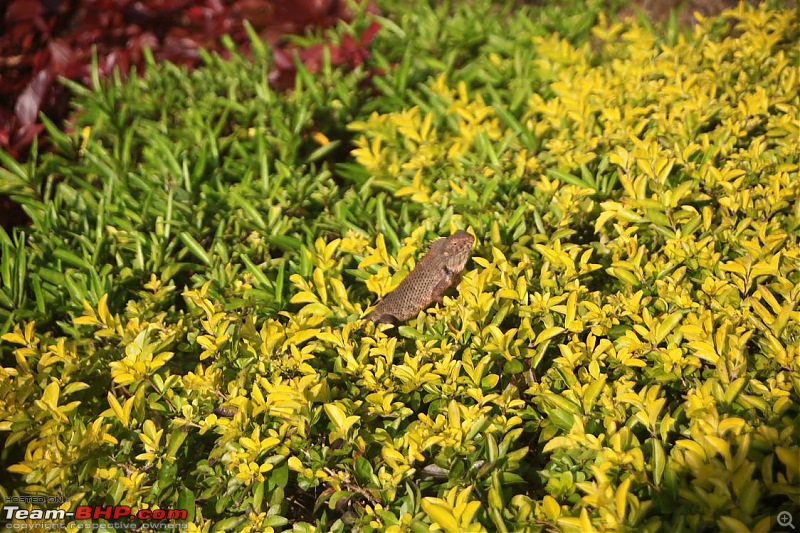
(183, 317)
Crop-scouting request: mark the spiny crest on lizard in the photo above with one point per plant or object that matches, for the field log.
(439, 269)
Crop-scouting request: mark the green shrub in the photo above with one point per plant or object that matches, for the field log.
(182, 319)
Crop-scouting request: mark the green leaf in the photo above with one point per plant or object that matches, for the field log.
(186, 501)
(194, 247)
(71, 259)
(568, 178)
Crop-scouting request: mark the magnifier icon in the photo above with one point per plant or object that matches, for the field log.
(785, 519)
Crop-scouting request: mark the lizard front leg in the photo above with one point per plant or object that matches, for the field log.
(449, 279)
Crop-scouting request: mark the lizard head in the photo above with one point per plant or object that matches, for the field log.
(456, 250)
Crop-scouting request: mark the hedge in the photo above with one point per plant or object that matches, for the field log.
(182, 321)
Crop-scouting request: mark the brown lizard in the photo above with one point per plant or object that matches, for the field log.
(435, 272)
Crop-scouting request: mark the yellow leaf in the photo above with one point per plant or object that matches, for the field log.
(339, 291)
(763, 268)
(315, 309)
(440, 513)
(454, 415)
(86, 321)
(620, 498)
(509, 294)
(658, 460)
(693, 447)
(117, 408)
(304, 297)
(705, 350)
(586, 523)
(468, 512)
(392, 456)
(295, 464)
(369, 261)
(790, 458)
(731, 424)
(405, 191)
(547, 334)
(319, 283)
(734, 267)
(302, 336)
(667, 325)
(149, 429)
(342, 422)
(75, 387)
(463, 497)
(19, 469)
(148, 456)
(102, 309)
(125, 378)
(320, 138)
(50, 396)
(572, 309)
(15, 338)
(728, 523)
(551, 508)
(558, 442)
